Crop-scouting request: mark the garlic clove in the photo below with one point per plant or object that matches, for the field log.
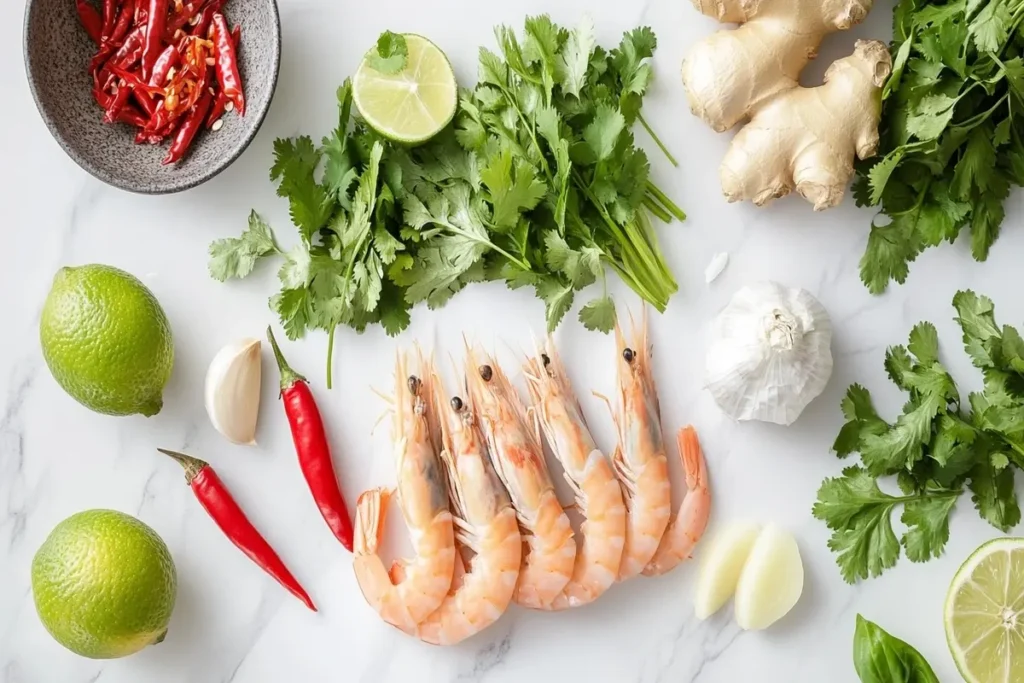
(769, 354)
(720, 568)
(233, 391)
(771, 582)
(715, 267)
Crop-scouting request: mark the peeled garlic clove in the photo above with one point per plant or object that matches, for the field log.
(769, 354)
(771, 582)
(721, 565)
(233, 391)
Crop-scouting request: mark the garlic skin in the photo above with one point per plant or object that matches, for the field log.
(769, 354)
(233, 391)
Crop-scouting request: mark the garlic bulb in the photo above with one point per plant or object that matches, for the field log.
(769, 354)
(233, 391)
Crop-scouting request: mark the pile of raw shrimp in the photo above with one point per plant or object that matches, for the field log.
(486, 524)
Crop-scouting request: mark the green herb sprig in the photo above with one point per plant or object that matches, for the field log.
(937, 449)
(538, 183)
(951, 146)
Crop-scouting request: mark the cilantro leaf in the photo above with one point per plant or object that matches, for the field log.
(235, 257)
(859, 513)
(574, 60)
(513, 188)
(927, 520)
(603, 133)
(599, 315)
(390, 55)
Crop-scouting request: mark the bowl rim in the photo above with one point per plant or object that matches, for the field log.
(172, 187)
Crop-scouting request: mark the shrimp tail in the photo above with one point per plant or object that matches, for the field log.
(687, 529)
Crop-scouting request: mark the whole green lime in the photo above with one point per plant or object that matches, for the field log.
(104, 584)
(106, 340)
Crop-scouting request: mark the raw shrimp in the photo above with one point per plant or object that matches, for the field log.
(589, 473)
(485, 524)
(686, 530)
(640, 460)
(414, 588)
(519, 460)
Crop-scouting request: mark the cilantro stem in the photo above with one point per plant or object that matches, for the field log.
(330, 357)
(657, 140)
(657, 209)
(663, 198)
(480, 240)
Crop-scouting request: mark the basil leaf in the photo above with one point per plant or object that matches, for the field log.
(882, 658)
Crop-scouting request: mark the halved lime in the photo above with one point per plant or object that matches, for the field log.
(985, 614)
(413, 105)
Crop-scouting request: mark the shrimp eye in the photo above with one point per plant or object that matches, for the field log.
(486, 372)
(457, 404)
(414, 384)
(628, 355)
(547, 360)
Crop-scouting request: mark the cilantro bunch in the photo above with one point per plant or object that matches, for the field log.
(951, 146)
(937, 448)
(538, 183)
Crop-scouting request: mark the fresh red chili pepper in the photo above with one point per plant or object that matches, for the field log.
(117, 103)
(312, 448)
(91, 20)
(218, 502)
(227, 63)
(167, 59)
(156, 22)
(193, 122)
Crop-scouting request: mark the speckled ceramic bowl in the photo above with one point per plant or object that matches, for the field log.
(57, 54)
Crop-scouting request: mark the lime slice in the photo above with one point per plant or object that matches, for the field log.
(985, 614)
(413, 105)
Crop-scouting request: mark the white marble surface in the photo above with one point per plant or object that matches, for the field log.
(232, 623)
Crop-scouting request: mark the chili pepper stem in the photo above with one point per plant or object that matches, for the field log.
(288, 376)
(192, 465)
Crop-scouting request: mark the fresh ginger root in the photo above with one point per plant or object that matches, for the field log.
(796, 138)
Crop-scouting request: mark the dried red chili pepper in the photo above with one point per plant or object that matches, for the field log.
(117, 103)
(202, 29)
(142, 92)
(124, 22)
(220, 103)
(227, 63)
(181, 19)
(109, 17)
(91, 20)
(312, 447)
(236, 35)
(131, 115)
(156, 22)
(163, 65)
(218, 502)
(130, 51)
(193, 122)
